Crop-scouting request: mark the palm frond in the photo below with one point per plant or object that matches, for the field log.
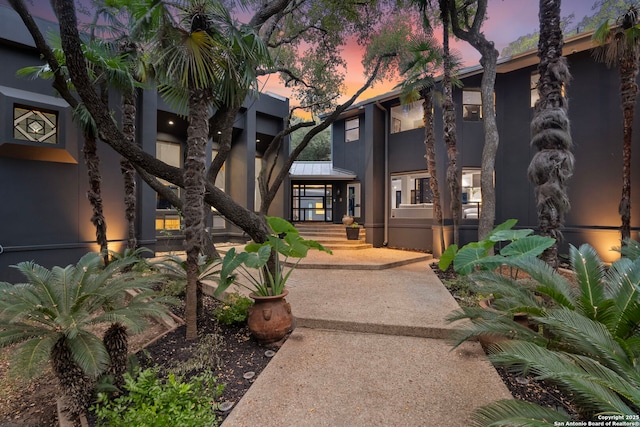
(594, 391)
(589, 271)
(623, 279)
(588, 337)
(89, 353)
(29, 357)
(517, 413)
(550, 283)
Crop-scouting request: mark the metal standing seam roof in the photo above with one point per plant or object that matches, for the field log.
(320, 171)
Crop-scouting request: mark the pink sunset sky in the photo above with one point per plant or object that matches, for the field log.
(507, 20)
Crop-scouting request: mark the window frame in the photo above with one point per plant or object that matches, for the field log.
(351, 130)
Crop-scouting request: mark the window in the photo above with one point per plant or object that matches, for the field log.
(407, 117)
(35, 125)
(352, 130)
(471, 193)
(171, 154)
(535, 77)
(411, 196)
(471, 105)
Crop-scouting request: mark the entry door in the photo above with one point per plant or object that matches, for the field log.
(353, 201)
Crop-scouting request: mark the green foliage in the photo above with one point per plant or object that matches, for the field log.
(319, 147)
(477, 254)
(234, 310)
(150, 401)
(252, 264)
(631, 249)
(584, 337)
(174, 269)
(65, 302)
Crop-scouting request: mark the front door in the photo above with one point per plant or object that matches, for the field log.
(312, 202)
(353, 200)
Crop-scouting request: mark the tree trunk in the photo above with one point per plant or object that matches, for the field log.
(127, 169)
(552, 165)
(488, 60)
(74, 383)
(628, 63)
(91, 159)
(430, 148)
(194, 186)
(116, 342)
(449, 123)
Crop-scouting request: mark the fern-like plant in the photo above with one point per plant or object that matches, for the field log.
(588, 339)
(51, 318)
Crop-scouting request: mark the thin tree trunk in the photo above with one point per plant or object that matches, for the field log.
(552, 165)
(194, 185)
(430, 148)
(629, 92)
(127, 169)
(488, 60)
(90, 151)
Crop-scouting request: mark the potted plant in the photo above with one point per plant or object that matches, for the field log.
(353, 231)
(270, 318)
(347, 219)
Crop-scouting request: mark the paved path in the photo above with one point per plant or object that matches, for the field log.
(369, 350)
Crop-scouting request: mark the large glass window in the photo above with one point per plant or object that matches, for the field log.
(312, 202)
(411, 195)
(167, 218)
(471, 105)
(471, 193)
(35, 125)
(407, 117)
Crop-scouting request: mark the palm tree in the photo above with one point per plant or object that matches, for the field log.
(417, 70)
(127, 35)
(620, 46)
(51, 316)
(206, 61)
(552, 165)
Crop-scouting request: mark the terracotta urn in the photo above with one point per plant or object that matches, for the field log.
(347, 220)
(270, 318)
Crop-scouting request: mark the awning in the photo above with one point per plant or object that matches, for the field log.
(319, 171)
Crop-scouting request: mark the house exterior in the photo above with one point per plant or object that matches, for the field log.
(44, 211)
(382, 142)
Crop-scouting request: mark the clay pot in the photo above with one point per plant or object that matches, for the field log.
(347, 220)
(270, 318)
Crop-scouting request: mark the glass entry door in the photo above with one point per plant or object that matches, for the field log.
(312, 202)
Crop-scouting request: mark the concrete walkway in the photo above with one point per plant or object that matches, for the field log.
(369, 350)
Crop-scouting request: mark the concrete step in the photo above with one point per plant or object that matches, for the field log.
(332, 236)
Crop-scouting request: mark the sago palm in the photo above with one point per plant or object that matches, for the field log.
(50, 317)
(587, 339)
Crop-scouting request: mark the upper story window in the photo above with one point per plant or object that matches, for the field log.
(352, 130)
(471, 105)
(35, 125)
(407, 117)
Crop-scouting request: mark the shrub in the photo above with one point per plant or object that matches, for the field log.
(150, 401)
(588, 340)
(234, 310)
